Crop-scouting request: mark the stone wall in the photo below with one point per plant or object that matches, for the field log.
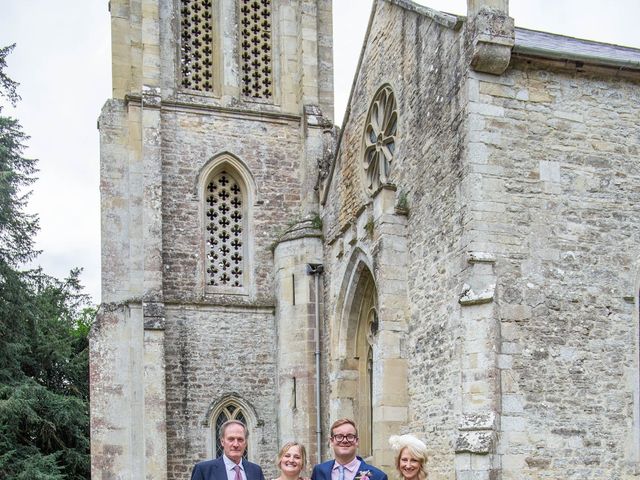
(271, 150)
(506, 288)
(157, 139)
(554, 152)
(421, 59)
(212, 353)
(522, 244)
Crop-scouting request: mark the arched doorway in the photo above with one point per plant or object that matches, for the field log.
(365, 311)
(368, 375)
(354, 351)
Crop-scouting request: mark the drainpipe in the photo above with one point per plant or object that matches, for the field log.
(316, 270)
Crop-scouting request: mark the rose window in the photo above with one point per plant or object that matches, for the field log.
(196, 48)
(224, 239)
(380, 138)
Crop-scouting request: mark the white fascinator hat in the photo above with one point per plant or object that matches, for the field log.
(398, 442)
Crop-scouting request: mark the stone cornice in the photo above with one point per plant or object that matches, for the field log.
(200, 108)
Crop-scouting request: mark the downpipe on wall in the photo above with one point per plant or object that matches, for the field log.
(316, 270)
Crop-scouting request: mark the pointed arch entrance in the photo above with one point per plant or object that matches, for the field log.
(355, 351)
(365, 317)
(368, 376)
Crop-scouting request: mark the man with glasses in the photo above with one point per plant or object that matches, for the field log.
(347, 465)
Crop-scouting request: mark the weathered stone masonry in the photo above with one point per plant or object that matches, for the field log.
(478, 288)
(168, 349)
(521, 243)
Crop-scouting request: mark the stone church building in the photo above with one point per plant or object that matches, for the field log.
(459, 260)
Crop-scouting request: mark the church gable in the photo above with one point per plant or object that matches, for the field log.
(400, 147)
(400, 94)
(515, 171)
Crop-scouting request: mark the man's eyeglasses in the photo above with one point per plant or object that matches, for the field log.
(340, 438)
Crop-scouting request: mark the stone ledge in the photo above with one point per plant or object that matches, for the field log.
(304, 229)
(469, 297)
(481, 257)
(206, 109)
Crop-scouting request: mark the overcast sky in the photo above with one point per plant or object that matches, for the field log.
(62, 61)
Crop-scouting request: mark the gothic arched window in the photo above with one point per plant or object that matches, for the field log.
(367, 329)
(225, 230)
(230, 411)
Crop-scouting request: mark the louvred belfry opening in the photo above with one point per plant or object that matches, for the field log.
(196, 47)
(225, 232)
(255, 49)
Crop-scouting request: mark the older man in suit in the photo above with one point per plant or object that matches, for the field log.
(347, 465)
(231, 465)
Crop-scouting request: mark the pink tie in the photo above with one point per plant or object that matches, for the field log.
(238, 474)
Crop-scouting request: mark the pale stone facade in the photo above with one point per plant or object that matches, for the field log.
(476, 284)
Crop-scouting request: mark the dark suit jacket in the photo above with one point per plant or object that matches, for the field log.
(323, 471)
(214, 470)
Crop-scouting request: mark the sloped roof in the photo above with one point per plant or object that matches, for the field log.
(560, 47)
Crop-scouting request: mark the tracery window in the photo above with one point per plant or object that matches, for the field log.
(255, 48)
(231, 411)
(380, 137)
(197, 44)
(225, 232)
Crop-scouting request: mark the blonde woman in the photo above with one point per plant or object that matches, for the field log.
(411, 456)
(292, 459)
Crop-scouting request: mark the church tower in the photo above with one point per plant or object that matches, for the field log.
(211, 249)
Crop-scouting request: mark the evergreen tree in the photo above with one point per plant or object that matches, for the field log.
(44, 324)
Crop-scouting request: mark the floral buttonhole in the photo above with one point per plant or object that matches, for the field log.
(363, 475)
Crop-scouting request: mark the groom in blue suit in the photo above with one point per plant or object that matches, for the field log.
(231, 465)
(346, 466)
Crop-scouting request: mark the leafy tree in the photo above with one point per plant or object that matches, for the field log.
(44, 323)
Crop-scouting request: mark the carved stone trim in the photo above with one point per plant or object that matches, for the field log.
(493, 39)
(151, 96)
(477, 421)
(469, 297)
(482, 442)
(481, 257)
(477, 433)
